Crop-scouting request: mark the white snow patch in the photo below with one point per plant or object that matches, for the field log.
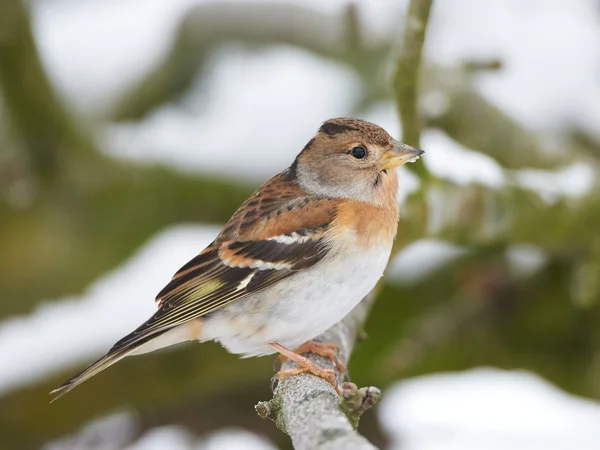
(177, 438)
(418, 259)
(117, 431)
(235, 439)
(94, 49)
(166, 437)
(109, 432)
(452, 161)
(550, 51)
(250, 127)
(488, 409)
(549, 86)
(573, 181)
(76, 329)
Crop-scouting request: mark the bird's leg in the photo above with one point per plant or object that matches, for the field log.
(304, 365)
(321, 349)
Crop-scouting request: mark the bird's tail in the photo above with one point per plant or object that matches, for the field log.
(98, 366)
(131, 344)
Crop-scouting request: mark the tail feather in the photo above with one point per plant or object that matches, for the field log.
(115, 354)
(93, 369)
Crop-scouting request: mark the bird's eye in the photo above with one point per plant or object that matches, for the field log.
(358, 152)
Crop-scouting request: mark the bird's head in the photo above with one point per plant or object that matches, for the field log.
(352, 158)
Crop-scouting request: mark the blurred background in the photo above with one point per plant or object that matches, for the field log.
(130, 130)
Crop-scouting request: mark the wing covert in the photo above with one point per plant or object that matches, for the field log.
(226, 272)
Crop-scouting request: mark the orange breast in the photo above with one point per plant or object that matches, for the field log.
(371, 224)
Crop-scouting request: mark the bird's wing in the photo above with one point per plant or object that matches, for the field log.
(234, 270)
(276, 233)
(241, 263)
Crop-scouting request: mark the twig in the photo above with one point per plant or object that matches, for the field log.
(406, 78)
(308, 408)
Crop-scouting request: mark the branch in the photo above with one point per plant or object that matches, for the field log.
(308, 408)
(406, 79)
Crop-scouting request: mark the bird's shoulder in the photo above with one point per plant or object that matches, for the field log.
(279, 207)
(282, 208)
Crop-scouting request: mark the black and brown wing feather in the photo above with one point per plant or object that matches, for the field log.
(282, 239)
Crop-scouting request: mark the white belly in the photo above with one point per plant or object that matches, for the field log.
(301, 307)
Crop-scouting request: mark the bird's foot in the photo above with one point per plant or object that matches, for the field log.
(321, 349)
(305, 365)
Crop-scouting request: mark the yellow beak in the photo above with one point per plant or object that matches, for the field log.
(399, 154)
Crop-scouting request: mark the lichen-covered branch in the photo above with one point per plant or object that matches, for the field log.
(406, 79)
(308, 408)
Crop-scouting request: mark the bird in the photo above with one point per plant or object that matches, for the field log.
(296, 257)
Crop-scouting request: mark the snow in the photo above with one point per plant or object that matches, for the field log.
(109, 432)
(452, 161)
(488, 409)
(74, 330)
(572, 181)
(92, 51)
(551, 55)
(419, 259)
(172, 437)
(118, 430)
(235, 439)
(251, 127)
(177, 438)
(550, 50)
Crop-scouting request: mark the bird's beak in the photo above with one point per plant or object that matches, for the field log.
(399, 154)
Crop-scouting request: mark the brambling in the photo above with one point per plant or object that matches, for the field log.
(291, 262)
